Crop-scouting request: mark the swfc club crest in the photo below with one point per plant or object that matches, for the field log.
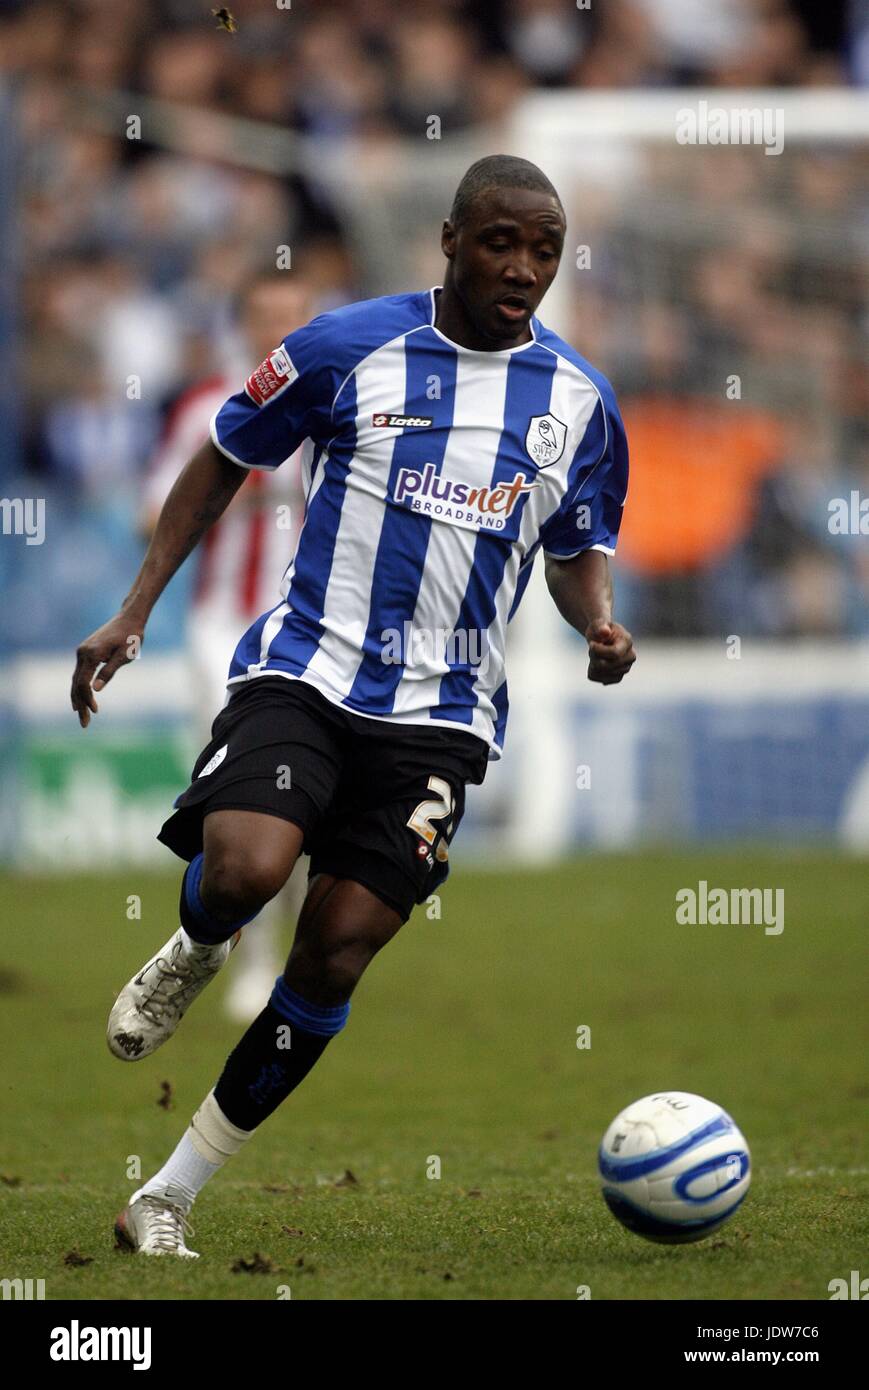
(544, 442)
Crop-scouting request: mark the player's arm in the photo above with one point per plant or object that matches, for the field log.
(583, 592)
(201, 494)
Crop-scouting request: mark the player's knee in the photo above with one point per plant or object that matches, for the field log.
(337, 939)
(328, 973)
(237, 882)
(339, 975)
(331, 960)
(344, 961)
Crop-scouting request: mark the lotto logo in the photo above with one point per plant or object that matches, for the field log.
(400, 422)
(271, 377)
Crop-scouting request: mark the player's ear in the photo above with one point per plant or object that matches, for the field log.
(448, 239)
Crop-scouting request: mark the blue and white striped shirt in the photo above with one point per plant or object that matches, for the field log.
(433, 474)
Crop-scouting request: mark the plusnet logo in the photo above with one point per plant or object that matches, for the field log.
(487, 506)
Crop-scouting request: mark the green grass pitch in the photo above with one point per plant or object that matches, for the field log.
(461, 1044)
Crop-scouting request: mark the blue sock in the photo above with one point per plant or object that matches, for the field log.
(278, 1050)
(195, 917)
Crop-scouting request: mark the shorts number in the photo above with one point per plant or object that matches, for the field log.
(433, 809)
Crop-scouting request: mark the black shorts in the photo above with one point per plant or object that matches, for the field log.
(378, 802)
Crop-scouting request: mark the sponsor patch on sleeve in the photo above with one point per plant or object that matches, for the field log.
(271, 377)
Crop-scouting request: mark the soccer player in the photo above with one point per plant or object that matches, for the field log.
(238, 562)
(448, 437)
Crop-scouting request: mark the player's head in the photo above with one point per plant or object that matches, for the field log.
(271, 304)
(503, 241)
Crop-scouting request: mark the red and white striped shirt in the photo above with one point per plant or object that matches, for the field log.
(242, 558)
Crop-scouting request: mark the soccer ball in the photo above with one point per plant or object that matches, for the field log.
(673, 1167)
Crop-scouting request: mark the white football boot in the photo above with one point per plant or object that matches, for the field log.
(148, 1009)
(154, 1225)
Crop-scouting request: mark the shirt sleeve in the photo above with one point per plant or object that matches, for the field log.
(286, 400)
(590, 512)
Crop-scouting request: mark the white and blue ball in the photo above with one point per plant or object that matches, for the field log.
(673, 1167)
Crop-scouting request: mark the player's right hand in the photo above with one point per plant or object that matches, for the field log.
(610, 652)
(113, 645)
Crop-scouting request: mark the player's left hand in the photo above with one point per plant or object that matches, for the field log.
(610, 652)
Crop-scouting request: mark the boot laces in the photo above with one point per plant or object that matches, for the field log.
(176, 977)
(167, 1224)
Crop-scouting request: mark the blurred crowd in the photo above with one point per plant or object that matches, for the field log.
(730, 307)
(356, 66)
(131, 257)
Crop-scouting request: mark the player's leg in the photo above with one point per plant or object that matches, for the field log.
(271, 765)
(382, 847)
(247, 857)
(340, 931)
(341, 928)
(212, 637)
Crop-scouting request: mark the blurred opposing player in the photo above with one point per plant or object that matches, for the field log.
(449, 438)
(239, 562)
